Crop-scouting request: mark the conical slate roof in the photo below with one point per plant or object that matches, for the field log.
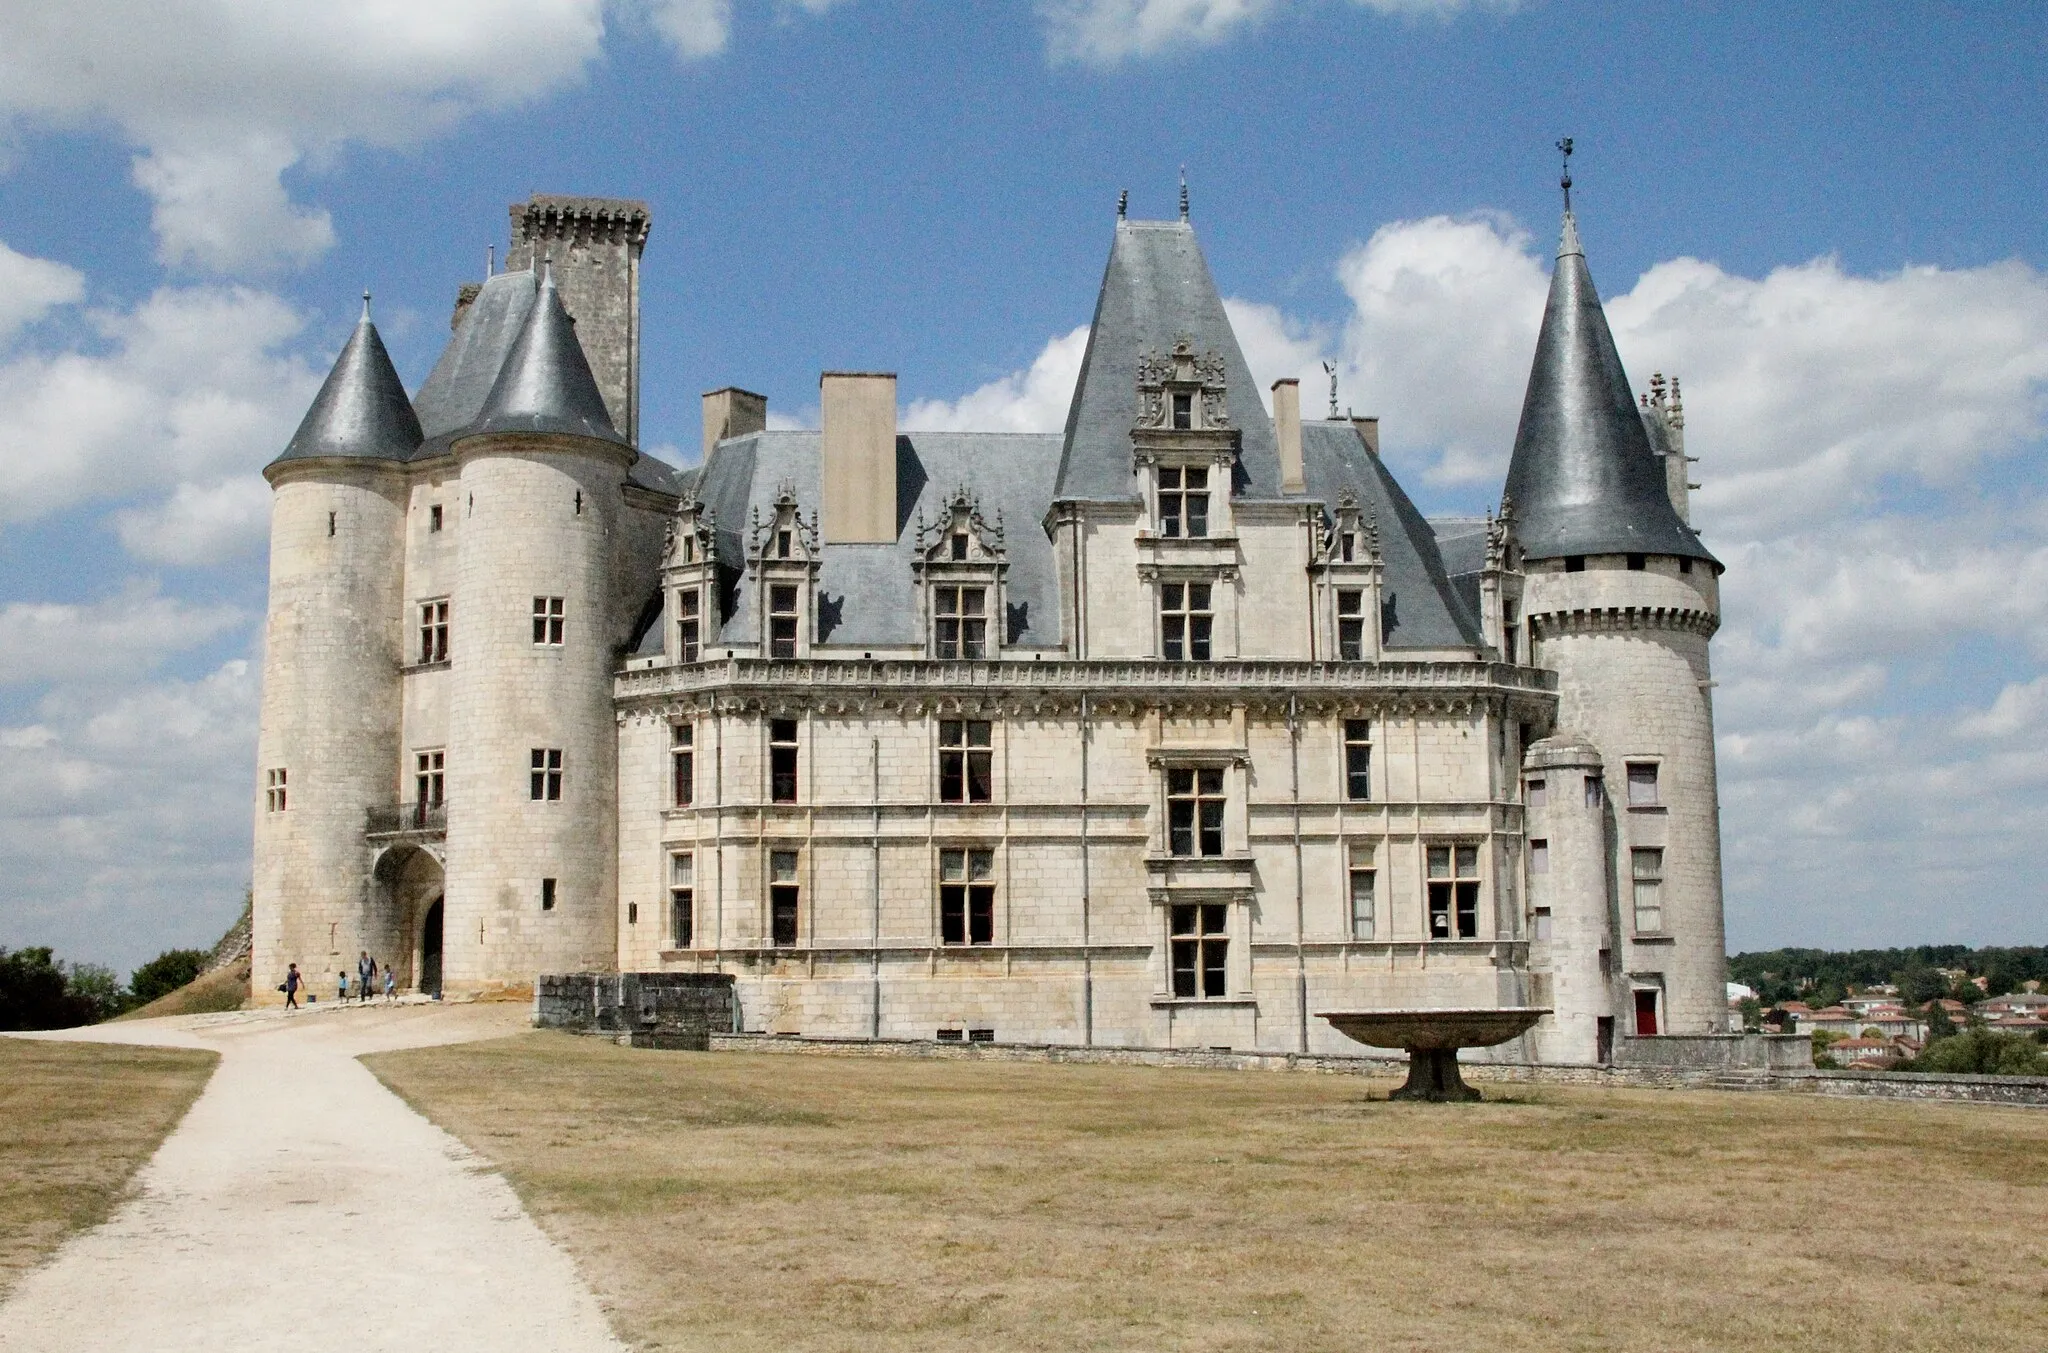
(361, 413)
(1584, 479)
(1155, 292)
(545, 385)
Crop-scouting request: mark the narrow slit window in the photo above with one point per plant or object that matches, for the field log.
(966, 761)
(544, 782)
(967, 897)
(782, 760)
(1186, 623)
(689, 625)
(1358, 759)
(1201, 947)
(682, 899)
(1194, 810)
(783, 897)
(434, 518)
(548, 621)
(1350, 625)
(1364, 879)
(547, 894)
(1453, 892)
(682, 761)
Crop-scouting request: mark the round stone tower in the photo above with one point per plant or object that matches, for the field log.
(1620, 600)
(327, 742)
(532, 808)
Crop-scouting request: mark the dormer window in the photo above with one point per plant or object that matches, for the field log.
(782, 618)
(960, 545)
(961, 622)
(782, 539)
(1183, 503)
(1347, 548)
(1183, 410)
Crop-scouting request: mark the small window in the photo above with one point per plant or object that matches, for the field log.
(1647, 870)
(689, 624)
(1539, 793)
(1358, 759)
(1539, 856)
(1542, 923)
(1350, 625)
(274, 790)
(545, 777)
(1194, 810)
(782, 618)
(1637, 563)
(547, 621)
(682, 899)
(434, 631)
(1642, 784)
(632, 913)
(782, 760)
(782, 898)
(579, 502)
(1685, 565)
(430, 771)
(966, 761)
(330, 525)
(1200, 948)
(960, 622)
(434, 517)
(547, 894)
(1363, 900)
(1183, 503)
(1596, 792)
(682, 760)
(951, 1035)
(1453, 892)
(959, 545)
(782, 544)
(1185, 622)
(981, 1035)
(1183, 410)
(1575, 563)
(967, 897)
(1347, 547)
(1509, 618)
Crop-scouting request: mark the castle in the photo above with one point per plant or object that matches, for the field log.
(1168, 730)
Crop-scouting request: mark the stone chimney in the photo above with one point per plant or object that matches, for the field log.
(732, 412)
(1287, 432)
(858, 412)
(1369, 429)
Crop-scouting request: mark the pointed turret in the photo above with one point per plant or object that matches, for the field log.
(545, 385)
(1584, 479)
(1156, 292)
(361, 413)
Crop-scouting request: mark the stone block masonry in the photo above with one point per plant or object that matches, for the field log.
(650, 1009)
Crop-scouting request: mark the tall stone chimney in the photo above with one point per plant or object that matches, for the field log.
(1368, 428)
(595, 243)
(732, 412)
(1287, 432)
(858, 413)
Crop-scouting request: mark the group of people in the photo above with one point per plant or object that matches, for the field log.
(365, 987)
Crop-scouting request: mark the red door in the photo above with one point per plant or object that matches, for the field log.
(1646, 1014)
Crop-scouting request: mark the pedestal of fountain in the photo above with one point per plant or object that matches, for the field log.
(1431, 1039)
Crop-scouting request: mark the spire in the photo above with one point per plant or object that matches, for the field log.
(1183, 192)
(361, 413)
(1584, 478)
(545, 385)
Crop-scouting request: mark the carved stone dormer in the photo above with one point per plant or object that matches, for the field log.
(959, 571)
(689, 581)
(1349, 577)
(1500, 586)
(782, 567)
(1183, 448)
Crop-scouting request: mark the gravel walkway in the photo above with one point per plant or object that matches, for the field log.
(300, 1204)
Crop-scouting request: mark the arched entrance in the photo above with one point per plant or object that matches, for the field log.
(430, 951)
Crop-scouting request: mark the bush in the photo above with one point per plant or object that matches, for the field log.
(165, 973)
(1983, 1052)
(36, 993)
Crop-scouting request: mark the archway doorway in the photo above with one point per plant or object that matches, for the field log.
(430, 951)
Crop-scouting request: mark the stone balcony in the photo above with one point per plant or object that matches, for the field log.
(407, 822)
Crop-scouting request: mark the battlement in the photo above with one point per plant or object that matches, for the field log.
(594, 245)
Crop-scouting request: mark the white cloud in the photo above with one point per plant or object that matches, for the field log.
(31, 287)
(694, 28)
(200, 525)
(1032, 400)
(1106, 32)
(194, 385)
(104, 641)
(223, 206)
(2021, 709)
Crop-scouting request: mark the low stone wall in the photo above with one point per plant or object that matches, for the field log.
(645, 1009)
(1711, 1053)
(2023, 1090)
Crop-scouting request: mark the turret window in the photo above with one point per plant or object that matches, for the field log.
(682, 757)
(782, 618)
(274, 790)
(1646, 868)
(961, 622)
(783, 898)
(967, 897)
(1183, 503)
(1453, 892)
(548, 621)
(1358, 759)
(544, 779)
(1194, 810)
(966, 761)
(689, 625)
(1642, 784)
(434, 631)
(1185, 622)
(1351, 625)
(434, 517)
(782, 760)
(1539, 856)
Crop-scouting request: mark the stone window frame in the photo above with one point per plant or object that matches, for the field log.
(434, 615)
(550, 622)
(968, 885)
(1361, 860)
(682, 898)
(1199, 931)
(682, 759)
(1190, 502)
(1350, 623)
(276, 790)
(964, 645)
(782, 647)
(1646, 874)
(967, 750)
(545, 774)
(778, 889)
(1183, 607)
(1650, 784)
(689, 621)
(430, 778)
(1200, 795)
(776, 747)
(1455, 848)
(1348, 744)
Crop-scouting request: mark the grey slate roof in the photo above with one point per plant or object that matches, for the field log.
(1420, 608)
(865, 594)
(1584, 479)
(361, 411)
(455, 390)
(1155, 291)
(545, 384)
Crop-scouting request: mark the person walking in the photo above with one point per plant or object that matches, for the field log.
(341, 986)
(292, 982)
(390, 984)
(366, 976)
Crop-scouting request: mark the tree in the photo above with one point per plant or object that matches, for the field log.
(35, 993)
(97, 987)
(165, 973)
(1983, 1052)
(1919, 984)
(1939, 1025)
(1752, 1012)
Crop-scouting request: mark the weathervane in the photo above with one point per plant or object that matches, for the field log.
(1330, 370)
(1566, 181)
(1183, 192)
(1123, 202)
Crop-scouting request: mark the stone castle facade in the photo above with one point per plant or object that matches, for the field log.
(1169, 730)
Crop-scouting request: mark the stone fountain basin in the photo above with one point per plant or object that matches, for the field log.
(1431, 1030)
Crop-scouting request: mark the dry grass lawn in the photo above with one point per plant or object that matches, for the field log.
(210, 993)
(76, 1121)
(742, 1202)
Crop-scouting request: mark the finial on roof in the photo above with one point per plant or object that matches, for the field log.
(490, 261)
(1330, 370)
(1183, 192)
(1565, 180)
(366, 307)
(1123, 203)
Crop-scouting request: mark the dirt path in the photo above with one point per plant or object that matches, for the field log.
(302, 1205)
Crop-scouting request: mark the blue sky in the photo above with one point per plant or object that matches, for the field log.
(1827, 221)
